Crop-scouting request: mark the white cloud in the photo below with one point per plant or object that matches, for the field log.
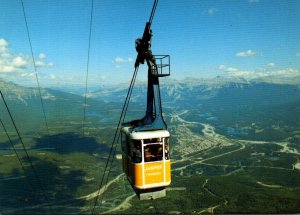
(7, 68)
(234, 71)
(10, 63)
(6, 55)
(52, 76)
(271, 64)
(212, 11)
(42, 64)
(39, 63)
(122, 60)
(251, 74)
(3, 45)
(289, 72)
(42, 56)
(228, 69)
(119, 60)
(222, 67)
(248, 53)
(19, 62)
(27, 74)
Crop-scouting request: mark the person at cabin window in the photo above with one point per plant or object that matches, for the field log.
(160, 153)
(167, 153)
(148, 155)
(137, 154)
(153, 152)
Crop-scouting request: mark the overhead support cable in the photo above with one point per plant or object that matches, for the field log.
(25, 150)
(115, 141)
(35, 70)
(112, 151)
(153, 11)
(12, 144)
(87, 69)
(127, 100)
(16, 153)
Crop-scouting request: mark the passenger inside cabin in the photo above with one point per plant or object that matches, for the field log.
(148, 155)
(137, 154)
(160, 153)
(153, 152)
(167, 153)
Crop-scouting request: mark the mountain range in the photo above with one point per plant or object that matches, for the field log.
(234, 146)
(226, 103)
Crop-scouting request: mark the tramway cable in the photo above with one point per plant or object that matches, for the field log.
(122, 118)
(12, 144)
(153, 11)
(42, 105)
(137, 123)
(115, 135)
(145, 141)
(18, 157)
(152, 68)
(114, 143)
(127, 100)
(87, 69)
(35, 70)
(14, 149)
(25, 150)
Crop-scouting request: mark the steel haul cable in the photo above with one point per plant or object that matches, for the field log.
(12, 145)
(153, 11)
(15, 151)
(122, 117)
(114, 142)
(87, 69)
(25, 150)
(35, 71)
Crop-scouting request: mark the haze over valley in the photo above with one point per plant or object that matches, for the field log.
(235, 148)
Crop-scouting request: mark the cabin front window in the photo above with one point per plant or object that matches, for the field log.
(153, 152)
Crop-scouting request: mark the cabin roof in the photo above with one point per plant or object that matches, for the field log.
(138, 135)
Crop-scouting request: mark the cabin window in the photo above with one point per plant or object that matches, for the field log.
(136, 151)
(127, 146)
(167, 149)
(153, 152)
(123, 143)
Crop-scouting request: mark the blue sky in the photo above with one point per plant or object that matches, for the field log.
(205, 38)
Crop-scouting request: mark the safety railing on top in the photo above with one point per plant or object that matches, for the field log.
(163, 65)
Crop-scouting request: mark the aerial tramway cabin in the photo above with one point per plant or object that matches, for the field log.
(146, 161)
(145, 141)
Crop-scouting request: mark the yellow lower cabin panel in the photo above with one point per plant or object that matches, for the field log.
(168, 171)
(137, 177)
(148, 175)
(154, 173)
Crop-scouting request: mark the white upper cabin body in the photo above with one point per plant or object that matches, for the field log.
(141, 135)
